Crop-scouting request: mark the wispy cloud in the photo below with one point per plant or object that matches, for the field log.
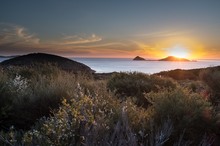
(22, 33)
(14, 34)
(105, 45)
(80, 39)
(162, 34)
(15, 39)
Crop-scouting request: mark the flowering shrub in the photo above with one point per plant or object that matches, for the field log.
(18, 84)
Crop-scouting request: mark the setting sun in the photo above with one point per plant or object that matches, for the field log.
(179, 52)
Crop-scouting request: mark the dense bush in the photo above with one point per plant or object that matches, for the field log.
(89, 120)
(211, 77)
(98, 120)
(188, 111)
(5, 99)
(26, 94)
(179, 74)
(77, 110)
(136, 84)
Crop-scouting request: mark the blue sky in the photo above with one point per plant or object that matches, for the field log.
(110, 28)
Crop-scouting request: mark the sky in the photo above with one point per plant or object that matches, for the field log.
(111, 28)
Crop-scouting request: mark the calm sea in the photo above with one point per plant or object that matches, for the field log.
(106, 65)
(103, 65)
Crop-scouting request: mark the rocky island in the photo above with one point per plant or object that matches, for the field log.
(173, 58)
(169, 58)
(138, 58)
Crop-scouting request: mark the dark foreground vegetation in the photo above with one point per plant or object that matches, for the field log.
(45, 105)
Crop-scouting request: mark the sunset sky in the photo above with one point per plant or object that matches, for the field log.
(111, 28)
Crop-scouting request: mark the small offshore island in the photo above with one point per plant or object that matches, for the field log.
(169, 58)
(138, 58)
(173, 58)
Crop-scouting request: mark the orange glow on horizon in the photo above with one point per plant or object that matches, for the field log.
(181, 47)
(187, 48)
(179, 51)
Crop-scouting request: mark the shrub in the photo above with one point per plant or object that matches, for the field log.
(102, 119)
(27, 94)
(136, 84)
(211, 77)
(88, 120)
(86, 112)
(189, 111)
(5, 99)
(179, 74)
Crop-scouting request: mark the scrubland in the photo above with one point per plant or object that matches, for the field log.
(43, 105)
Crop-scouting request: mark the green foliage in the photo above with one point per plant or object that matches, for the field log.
(85, 119)
(211, 77)
(78, 110)
(189, 111)
(27, 94)
(179, 74)
(136, 84)
(5, 98)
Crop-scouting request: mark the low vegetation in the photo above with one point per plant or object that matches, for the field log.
(44, 105)
(135, 85)
(212, 77)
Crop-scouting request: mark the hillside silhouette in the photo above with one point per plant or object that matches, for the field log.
(43, 58)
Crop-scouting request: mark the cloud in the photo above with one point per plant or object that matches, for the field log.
(14, 34)
(162, 34)
(80, 39)
(105, 45)
(16, 39)
(25, 36)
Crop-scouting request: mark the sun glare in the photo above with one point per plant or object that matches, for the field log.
(179, 52)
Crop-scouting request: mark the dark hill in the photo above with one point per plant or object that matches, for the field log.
(138, 58)
(42, 58)
(172, 58)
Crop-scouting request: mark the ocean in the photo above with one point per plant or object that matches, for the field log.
(104, 65)
(107, 65)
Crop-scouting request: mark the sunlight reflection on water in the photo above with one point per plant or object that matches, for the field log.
(106, 65)
(103, 65)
